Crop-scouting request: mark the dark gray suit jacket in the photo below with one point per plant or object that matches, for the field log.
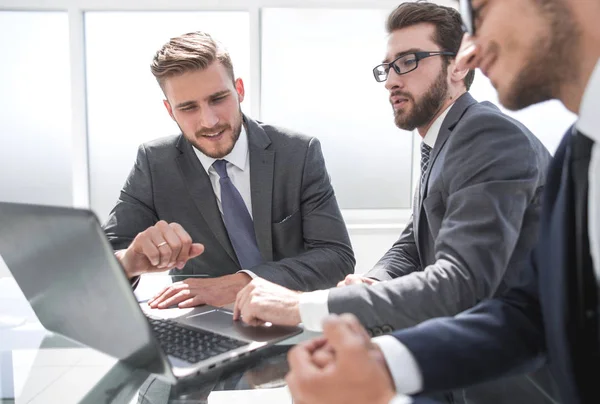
(473, 225)
(299, 228)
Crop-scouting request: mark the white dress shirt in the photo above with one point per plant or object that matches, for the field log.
(313, 305)
(403, 367)
(238, 170)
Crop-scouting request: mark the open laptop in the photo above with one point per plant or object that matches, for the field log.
(66, 268)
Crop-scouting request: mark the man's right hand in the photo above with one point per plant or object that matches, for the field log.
(355, 280)
(161, 247)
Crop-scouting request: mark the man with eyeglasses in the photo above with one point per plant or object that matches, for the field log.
(476, 209)
(532, 51)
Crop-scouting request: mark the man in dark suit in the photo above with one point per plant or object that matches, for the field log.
(532, 51)
(253, 199)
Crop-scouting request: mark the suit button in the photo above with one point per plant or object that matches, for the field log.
(370, 332)
(387, 329)
(377, 331)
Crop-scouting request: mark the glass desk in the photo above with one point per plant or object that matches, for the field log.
(37, 366)
(59, 371)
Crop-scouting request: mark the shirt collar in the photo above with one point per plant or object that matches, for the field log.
(434, 130)
(589, 119)
(237, 156)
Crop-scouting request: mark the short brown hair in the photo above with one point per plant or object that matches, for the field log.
(447, 21)
(189, 52)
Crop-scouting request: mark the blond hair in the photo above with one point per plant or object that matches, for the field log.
(189, 52)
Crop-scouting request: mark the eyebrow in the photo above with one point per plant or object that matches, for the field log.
(397, 55)
(212, 96)
(185, 104)
(219, 94)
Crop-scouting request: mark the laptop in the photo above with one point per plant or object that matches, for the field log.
(66, 268)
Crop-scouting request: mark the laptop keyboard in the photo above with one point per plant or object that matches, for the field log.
(191, 345)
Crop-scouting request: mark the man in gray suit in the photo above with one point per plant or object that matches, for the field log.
(255, 200)
(477, 206)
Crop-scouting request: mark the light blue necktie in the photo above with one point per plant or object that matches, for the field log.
(238, 221)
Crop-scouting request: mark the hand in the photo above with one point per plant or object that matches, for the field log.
(194, 292)
(263, 301)
(160, 247)
(356, 373)
(355, 280)
(322, 353)
(469, 55)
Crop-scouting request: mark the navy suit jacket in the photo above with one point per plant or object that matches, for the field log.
(525, 327)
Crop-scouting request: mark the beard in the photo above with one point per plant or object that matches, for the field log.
(225, 145)
(551, 63)
(426, 107)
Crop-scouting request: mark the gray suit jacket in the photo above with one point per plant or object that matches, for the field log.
(473, 225)
(299, 228)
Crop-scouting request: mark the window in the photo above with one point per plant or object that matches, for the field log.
(35, 108)
(125, 105)
(319, 81)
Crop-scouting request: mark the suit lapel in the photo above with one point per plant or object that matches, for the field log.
(202, 193)
(454, 115)
(262, 163)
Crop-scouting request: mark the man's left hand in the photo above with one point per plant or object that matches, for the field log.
(194, 292)
(352, 371)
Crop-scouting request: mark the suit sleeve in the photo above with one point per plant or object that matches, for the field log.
(491, 176)
(134, 211)
(498, 337)
(400, 260)
(328, 257)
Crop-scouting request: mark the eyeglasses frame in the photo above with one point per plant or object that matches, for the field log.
(418, 57)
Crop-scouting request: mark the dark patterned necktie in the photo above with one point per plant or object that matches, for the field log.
(425, 155)
(237, 219)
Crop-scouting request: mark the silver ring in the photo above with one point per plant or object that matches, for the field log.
(161, 244)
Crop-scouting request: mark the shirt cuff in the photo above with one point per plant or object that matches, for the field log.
(249, 273)
(401, 363)
(401, 399)
(313, 309)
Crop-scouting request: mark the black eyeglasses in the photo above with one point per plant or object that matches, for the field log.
(468, 16)
(404, 64)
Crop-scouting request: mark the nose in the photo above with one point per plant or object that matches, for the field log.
(208, 117)
(394, 80)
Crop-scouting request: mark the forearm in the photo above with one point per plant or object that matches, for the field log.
(318, 268)
(397, 262)
(402, 259)
(456, 352)
(134, 211)
(440, 290)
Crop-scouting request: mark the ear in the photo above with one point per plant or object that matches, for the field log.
(457, 73)
(239, 88)
(169, 109)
